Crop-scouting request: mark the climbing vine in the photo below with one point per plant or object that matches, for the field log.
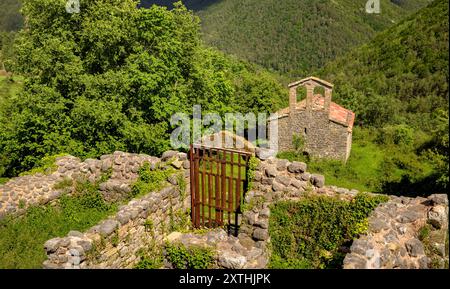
(251, 168)
(309, 233)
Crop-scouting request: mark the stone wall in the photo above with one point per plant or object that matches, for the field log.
(116, 242)
(324, 138)
(22, 192)
(393, 238)
(143, 222)
(230, 252)
(276, 180)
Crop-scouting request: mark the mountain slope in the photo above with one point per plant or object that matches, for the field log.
(294, 36)
(290, 36)
(402, 75)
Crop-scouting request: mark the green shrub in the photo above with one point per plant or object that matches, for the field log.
(400, 134)
(251, 168)
(149, 263)
(150, 180)
(150, 258)
(182, 185)
(309, 233)
(189, 258)
(63, 184)
(298, 142)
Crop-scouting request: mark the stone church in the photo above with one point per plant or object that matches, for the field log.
(326, 127)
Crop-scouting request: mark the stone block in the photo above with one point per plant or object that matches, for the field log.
(297, 167)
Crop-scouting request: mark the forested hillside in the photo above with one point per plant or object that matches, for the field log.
(99, 82)
(401, 76)
(293, 36)
(398, 87)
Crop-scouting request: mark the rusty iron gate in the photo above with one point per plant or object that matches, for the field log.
(218, 182)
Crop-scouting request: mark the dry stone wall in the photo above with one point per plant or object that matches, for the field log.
(393, 238)
(230, 252)
(22, 192)
(117, 241)
(143, 222)
(276, 180)
(392, 241)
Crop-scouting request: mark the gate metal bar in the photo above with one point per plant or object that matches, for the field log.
(216, 188)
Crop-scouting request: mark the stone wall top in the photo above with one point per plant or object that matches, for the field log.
(393, 238)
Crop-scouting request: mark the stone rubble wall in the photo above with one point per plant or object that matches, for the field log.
(230, 251)
(117, 241)
(392, 240)
(280, 180)
(22, 192)
(275, 180)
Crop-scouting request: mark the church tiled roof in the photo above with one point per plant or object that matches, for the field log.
(337, 113)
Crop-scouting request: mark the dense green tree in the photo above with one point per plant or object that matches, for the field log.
(110, 77)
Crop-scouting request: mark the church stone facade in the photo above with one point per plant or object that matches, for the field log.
(326, 127)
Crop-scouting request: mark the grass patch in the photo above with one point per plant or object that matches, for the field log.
(22, 239)
(151, 179)
(310, 232)
(151, 257)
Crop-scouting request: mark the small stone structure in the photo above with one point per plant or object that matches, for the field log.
(325, 126)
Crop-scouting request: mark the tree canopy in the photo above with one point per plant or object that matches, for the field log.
(110, 77)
